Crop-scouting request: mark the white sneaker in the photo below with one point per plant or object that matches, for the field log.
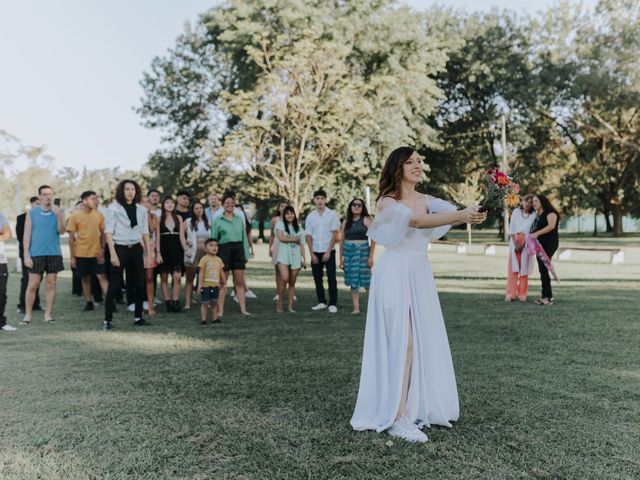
(250, 294)
(8, 328)
(276, 298)
(403, 428)
(145, 306)
(333, 309)
(132, 307)
(157, 301)
(320, 306)
(235, 299)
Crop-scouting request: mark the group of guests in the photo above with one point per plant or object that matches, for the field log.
(540, 219)
(140, 238)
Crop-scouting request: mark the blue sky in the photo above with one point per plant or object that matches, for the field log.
(70, 71)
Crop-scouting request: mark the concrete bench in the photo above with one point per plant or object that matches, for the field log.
(616, 255)
(490, 248)
(460, 247)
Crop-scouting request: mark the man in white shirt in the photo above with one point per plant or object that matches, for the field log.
(322, 227)
(154, 199)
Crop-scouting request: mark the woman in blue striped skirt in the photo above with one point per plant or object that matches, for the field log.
(356, 250)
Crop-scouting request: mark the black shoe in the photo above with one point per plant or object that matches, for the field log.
(106, 326)
(217, 320)
(88, 307)
(168, 305)
(141, 323)
(176, 306)
(204, 322)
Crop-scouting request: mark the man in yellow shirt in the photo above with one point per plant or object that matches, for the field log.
(86, 245)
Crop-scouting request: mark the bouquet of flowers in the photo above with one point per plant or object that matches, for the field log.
(499, 188)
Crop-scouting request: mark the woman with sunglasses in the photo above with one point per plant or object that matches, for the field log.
(356, 250)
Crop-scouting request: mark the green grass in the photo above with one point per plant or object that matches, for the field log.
(545, 392)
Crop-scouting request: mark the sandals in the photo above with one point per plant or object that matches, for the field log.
(544, 301)
(24, 321)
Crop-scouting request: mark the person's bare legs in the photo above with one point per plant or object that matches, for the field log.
(188, 288)
(223, 292)
(30, 296)
(203, 312)
(51, 295)
(148, 278)
(238, 285)
(293, 276)
(284, 278)
(164, 284)
(177, 280)
(104, 283)
(355, 298)
(278, 279)
(86, 288)
(402, 409)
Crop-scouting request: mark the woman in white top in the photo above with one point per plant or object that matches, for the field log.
(407, 379)
(197, 233)
(520, 264)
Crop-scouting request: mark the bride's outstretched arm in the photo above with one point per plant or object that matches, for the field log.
(432, 220)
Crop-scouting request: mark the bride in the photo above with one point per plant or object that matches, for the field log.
(407, 379)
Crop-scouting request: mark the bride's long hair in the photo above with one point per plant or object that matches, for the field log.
(391, 175)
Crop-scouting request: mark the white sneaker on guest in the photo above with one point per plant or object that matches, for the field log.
(145, 306)
(132, 307)
(333, 309)
(250, 294)
(320, 306)
(157, 301)
(276, 298)
(403, 428)
(8, 328)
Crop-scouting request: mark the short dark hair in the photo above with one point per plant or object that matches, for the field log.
(320, 193)
(227, 195)
(120, 198)
(183, 192)
(87, 194)
(209, 240)
(42, 187)
(34, 199)
(153, 190)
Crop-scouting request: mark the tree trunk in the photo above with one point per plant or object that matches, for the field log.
(261, 229)
(595, 224)
(607, 220)
(617, 221)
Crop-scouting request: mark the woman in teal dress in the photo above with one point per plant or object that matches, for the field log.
(290, 255)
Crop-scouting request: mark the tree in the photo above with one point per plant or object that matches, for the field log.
(295, 95)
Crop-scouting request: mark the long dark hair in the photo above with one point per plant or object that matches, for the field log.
(296, 228)
(121, 199)
(547, 207)
(391, 175)
(277, 213)
(365, 212)
(163, 215)
(194, 219)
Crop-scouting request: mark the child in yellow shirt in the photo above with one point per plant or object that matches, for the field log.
(211, 267)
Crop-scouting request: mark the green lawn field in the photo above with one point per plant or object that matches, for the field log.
(545, 392)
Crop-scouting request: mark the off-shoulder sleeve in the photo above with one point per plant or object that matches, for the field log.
(391, 225)
(437, 205)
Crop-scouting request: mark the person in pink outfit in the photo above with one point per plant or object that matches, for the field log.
(520, 264)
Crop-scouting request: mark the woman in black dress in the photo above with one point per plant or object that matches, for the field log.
(545, 229)
(172, 247)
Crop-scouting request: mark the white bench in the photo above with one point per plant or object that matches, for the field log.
(461, 247)
(616, 255)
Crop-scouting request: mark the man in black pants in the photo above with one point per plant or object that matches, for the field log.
(24, 280)
(322, 227)
(127, 234)
(5, 234)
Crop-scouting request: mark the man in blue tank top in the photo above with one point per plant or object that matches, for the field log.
(42, 253)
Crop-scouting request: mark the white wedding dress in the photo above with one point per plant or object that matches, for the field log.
(403, 290)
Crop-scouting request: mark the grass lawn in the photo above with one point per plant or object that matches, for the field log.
(546, 392)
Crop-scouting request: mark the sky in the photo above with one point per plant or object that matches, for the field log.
(70, 71)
